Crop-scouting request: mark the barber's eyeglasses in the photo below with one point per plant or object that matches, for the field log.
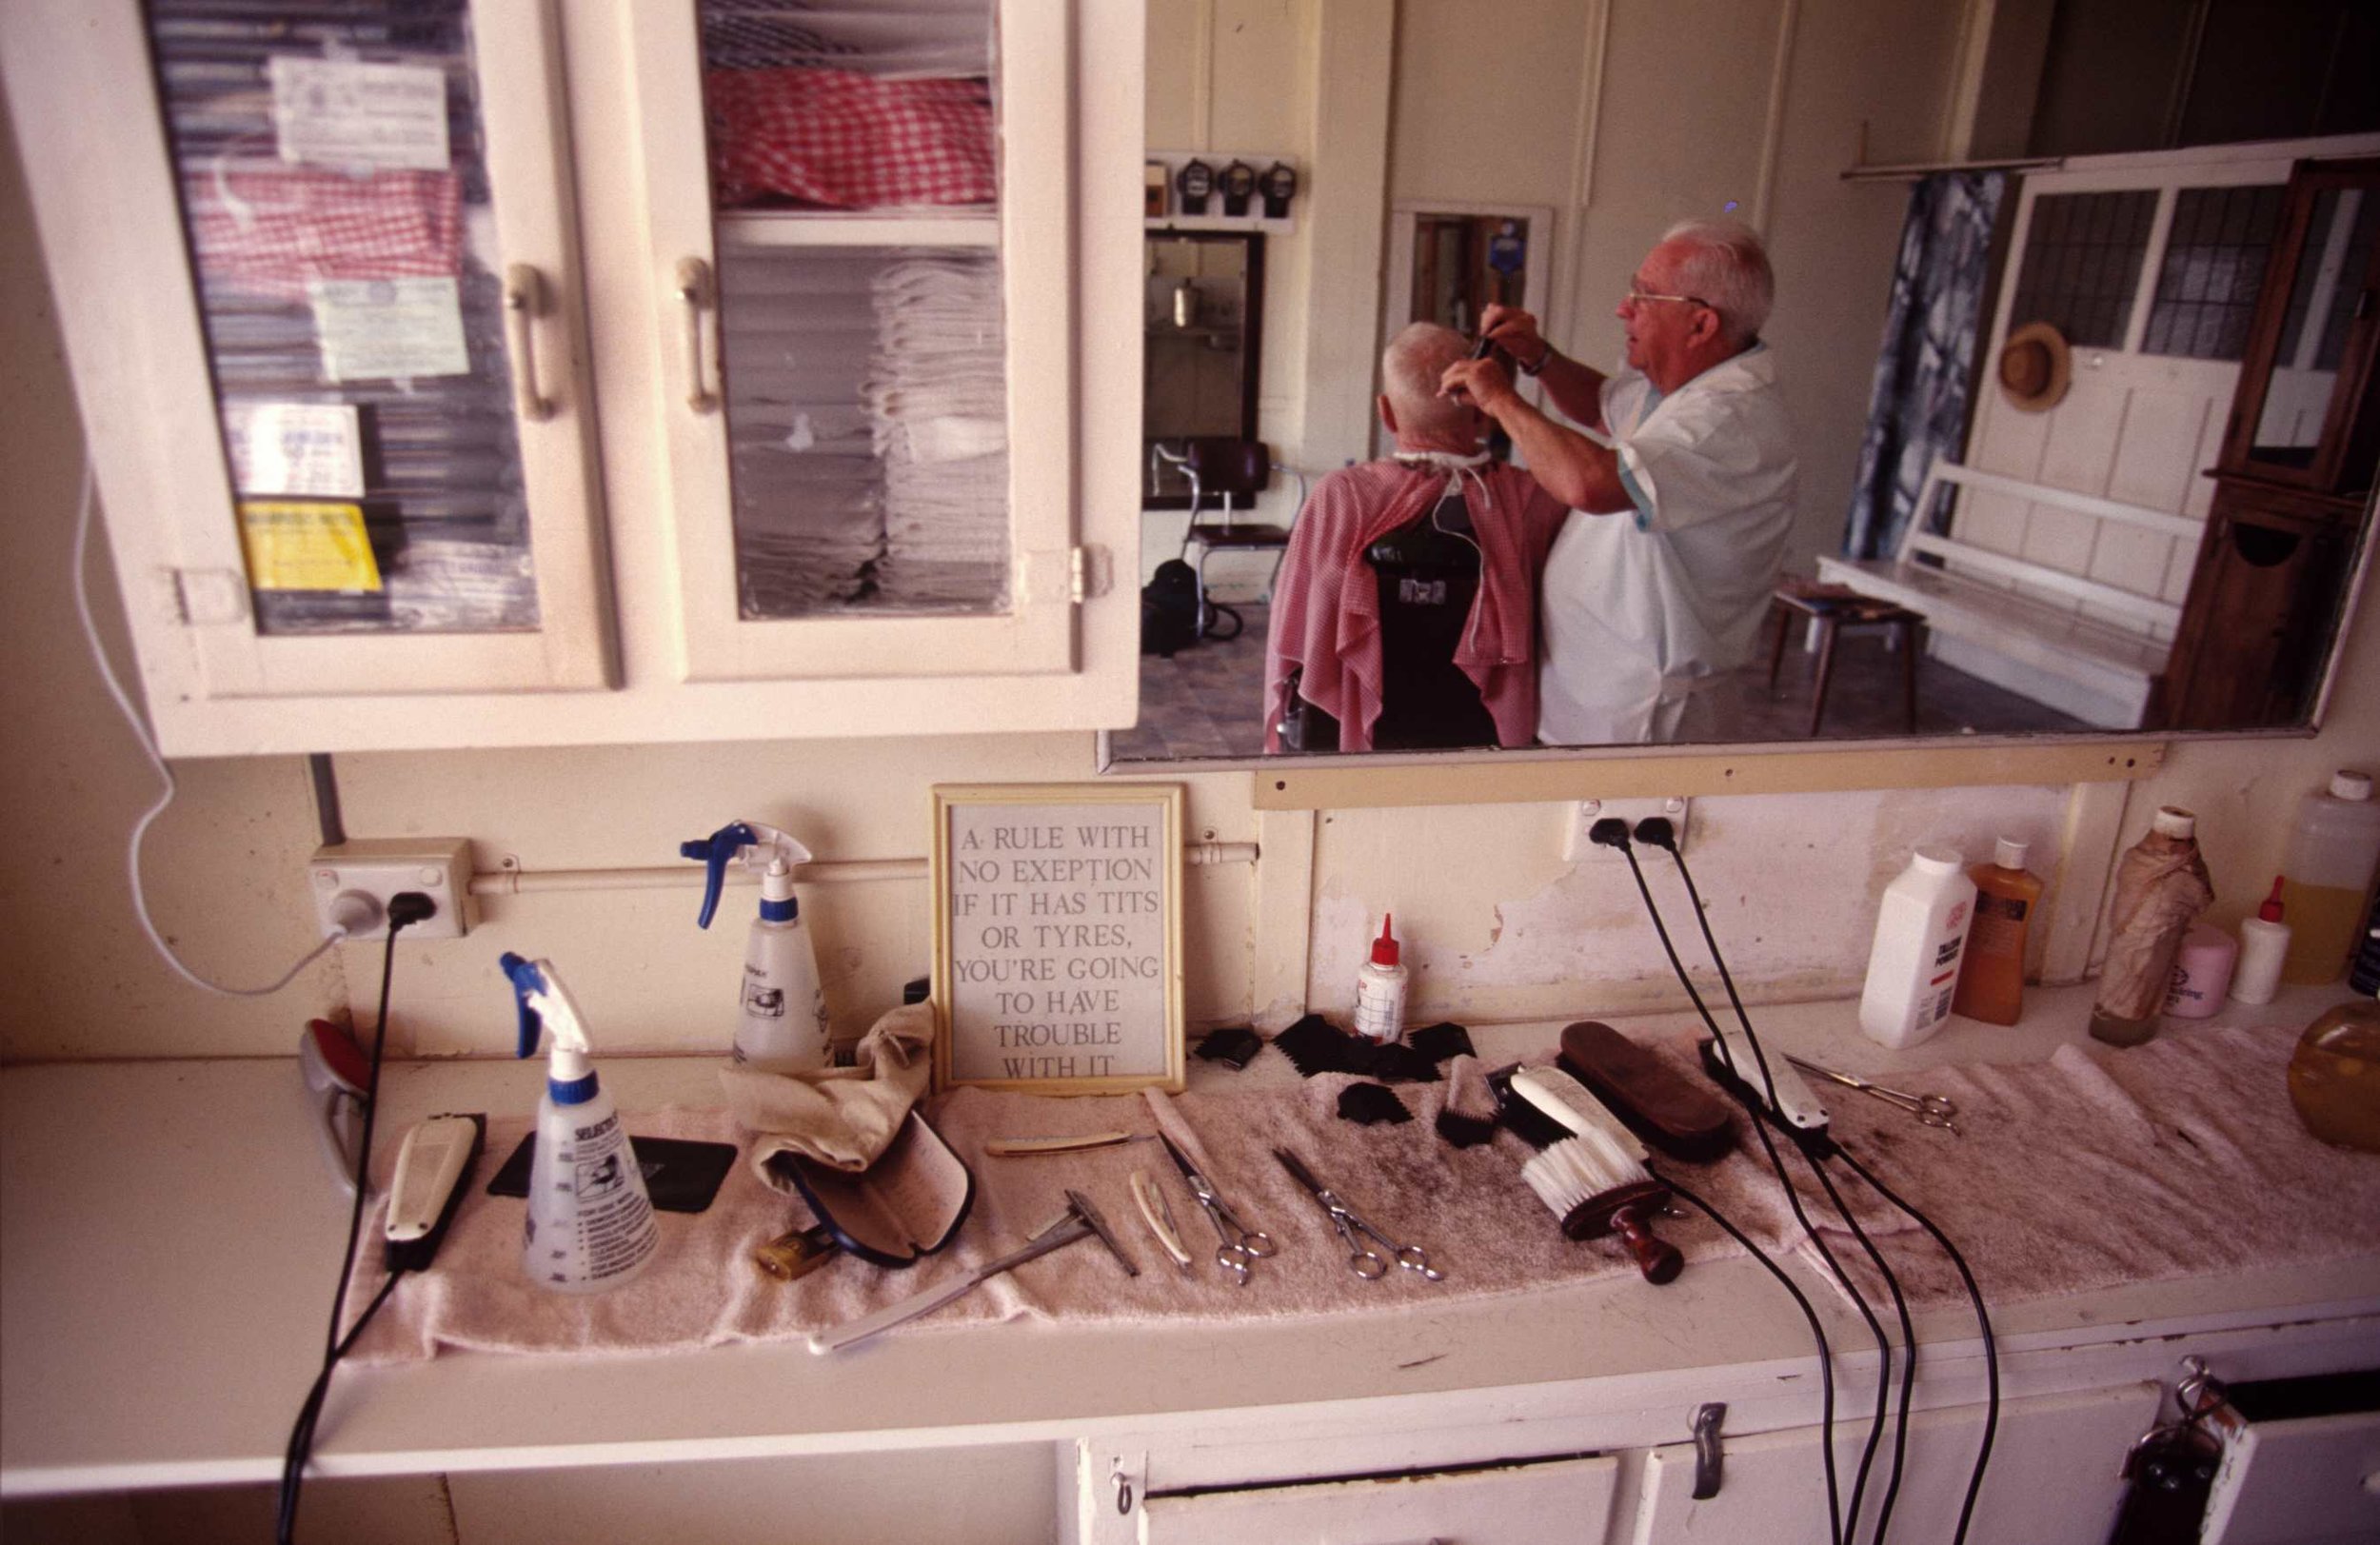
(1638, 297)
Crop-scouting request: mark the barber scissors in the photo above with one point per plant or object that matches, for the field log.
(1929, 1110)
(1241, 1244)
(1365, 1261)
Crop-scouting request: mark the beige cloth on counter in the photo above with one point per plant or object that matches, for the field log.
(843, 1116)
(2095, 1169)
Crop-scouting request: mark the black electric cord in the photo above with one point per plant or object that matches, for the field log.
(1909, 1356)
(1818, 1334)
(1983, 1322)
(404, 909)
(1660, 833)
(1614, 833)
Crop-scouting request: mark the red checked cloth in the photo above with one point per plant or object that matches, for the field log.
(270, 229)
(1326, 601)
(847, 141)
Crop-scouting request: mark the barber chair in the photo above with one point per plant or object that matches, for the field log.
(1229, 472)
(1428, 573)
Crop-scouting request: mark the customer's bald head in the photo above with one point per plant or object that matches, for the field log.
(1410, 404)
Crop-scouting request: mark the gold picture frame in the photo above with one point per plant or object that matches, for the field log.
(1058, 965)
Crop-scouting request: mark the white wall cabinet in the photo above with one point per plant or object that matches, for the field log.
(555, 372)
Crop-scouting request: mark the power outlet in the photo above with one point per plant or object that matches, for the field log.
(1577, 848)
(379, 867)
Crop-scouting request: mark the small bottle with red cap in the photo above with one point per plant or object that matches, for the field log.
(1381, 989)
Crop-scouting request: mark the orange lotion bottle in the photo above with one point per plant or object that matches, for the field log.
(1992, 983)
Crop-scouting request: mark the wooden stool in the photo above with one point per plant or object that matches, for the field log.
(1829, 606)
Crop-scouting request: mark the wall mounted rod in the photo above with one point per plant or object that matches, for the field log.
(820, 871)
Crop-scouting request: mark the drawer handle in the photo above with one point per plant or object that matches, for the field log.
(1710, 1461)
(525, 301)
(700, 295)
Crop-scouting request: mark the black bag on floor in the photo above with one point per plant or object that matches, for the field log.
(1169, 609)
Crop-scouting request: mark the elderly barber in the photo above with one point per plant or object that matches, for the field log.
(1684, 485)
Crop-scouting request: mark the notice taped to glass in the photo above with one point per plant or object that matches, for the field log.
(1058, 937)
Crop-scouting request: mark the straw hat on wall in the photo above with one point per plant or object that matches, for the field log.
(2036, 368)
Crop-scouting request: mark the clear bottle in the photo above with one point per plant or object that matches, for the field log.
(2161, 886)
(1920, 933)
(1992, 982)
(2333, 846)
(1381, 989)
(590, 1225)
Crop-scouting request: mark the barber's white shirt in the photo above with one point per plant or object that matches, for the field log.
(1641, 604)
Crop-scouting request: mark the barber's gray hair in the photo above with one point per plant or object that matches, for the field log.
(1410, 368)
(1728, 267)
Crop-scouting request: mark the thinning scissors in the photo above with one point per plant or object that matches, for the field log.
(1241, 1244)
(1929, 1110)
(1363, 1260)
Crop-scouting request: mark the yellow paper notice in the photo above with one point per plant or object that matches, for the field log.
(293, 546)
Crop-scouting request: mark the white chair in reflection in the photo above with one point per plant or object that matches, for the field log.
(1231, 472)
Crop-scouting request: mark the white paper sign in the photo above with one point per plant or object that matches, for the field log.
(310, 450)
(1059, 942)
(336, 112)
(389, 329)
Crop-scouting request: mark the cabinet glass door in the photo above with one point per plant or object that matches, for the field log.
(858, 222)
(392, 365)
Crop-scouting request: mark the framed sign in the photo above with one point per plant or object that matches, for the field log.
(1058, 937)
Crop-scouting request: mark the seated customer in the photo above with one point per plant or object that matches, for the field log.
(1406, 611)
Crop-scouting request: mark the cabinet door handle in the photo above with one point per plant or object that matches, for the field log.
(700, 295)
(525, 301)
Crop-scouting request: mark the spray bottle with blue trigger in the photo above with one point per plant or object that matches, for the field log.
(780, 1026)
(590, 1222)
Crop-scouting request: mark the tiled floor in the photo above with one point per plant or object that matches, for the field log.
(1206, 701)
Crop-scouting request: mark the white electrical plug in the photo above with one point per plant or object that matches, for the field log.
(352, 912)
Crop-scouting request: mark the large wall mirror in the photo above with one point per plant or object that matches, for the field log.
(1421, 127)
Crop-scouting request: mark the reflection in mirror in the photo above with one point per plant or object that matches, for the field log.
(1203, 298)
(1416, 124)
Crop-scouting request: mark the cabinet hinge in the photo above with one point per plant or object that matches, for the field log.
(207, 597)
(1090, 571)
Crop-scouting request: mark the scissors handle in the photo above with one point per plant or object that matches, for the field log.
(1363, 1260)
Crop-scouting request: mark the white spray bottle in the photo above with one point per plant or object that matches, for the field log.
(590, 1223)
(782, 1010)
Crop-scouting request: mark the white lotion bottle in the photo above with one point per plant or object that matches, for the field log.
(1380, 988)
(781, 1025)
(1920, 932)
(590, 1224)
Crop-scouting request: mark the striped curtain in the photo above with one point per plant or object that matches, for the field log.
(1918, 407)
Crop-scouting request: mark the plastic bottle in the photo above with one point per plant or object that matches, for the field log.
(2365, 977)
(2264, 944)
(781, 1009)
(1991, 981)
(1920, 932)
(2202, 972)
(590, 1223)
(1380, 988)
(2333, 846)
(2161, 886)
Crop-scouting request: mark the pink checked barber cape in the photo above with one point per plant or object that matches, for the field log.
(1326, 605)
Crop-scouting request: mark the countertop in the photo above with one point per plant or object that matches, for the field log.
(170, 1240)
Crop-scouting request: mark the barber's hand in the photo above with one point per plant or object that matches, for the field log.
(1481, 383)
(1514, 332)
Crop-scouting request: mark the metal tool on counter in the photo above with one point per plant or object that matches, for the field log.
(1241, 1244)
(1159, 1215)
(1026, 1147)
(1931, 1110)
(1080, 1221)
(1365, 1261)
